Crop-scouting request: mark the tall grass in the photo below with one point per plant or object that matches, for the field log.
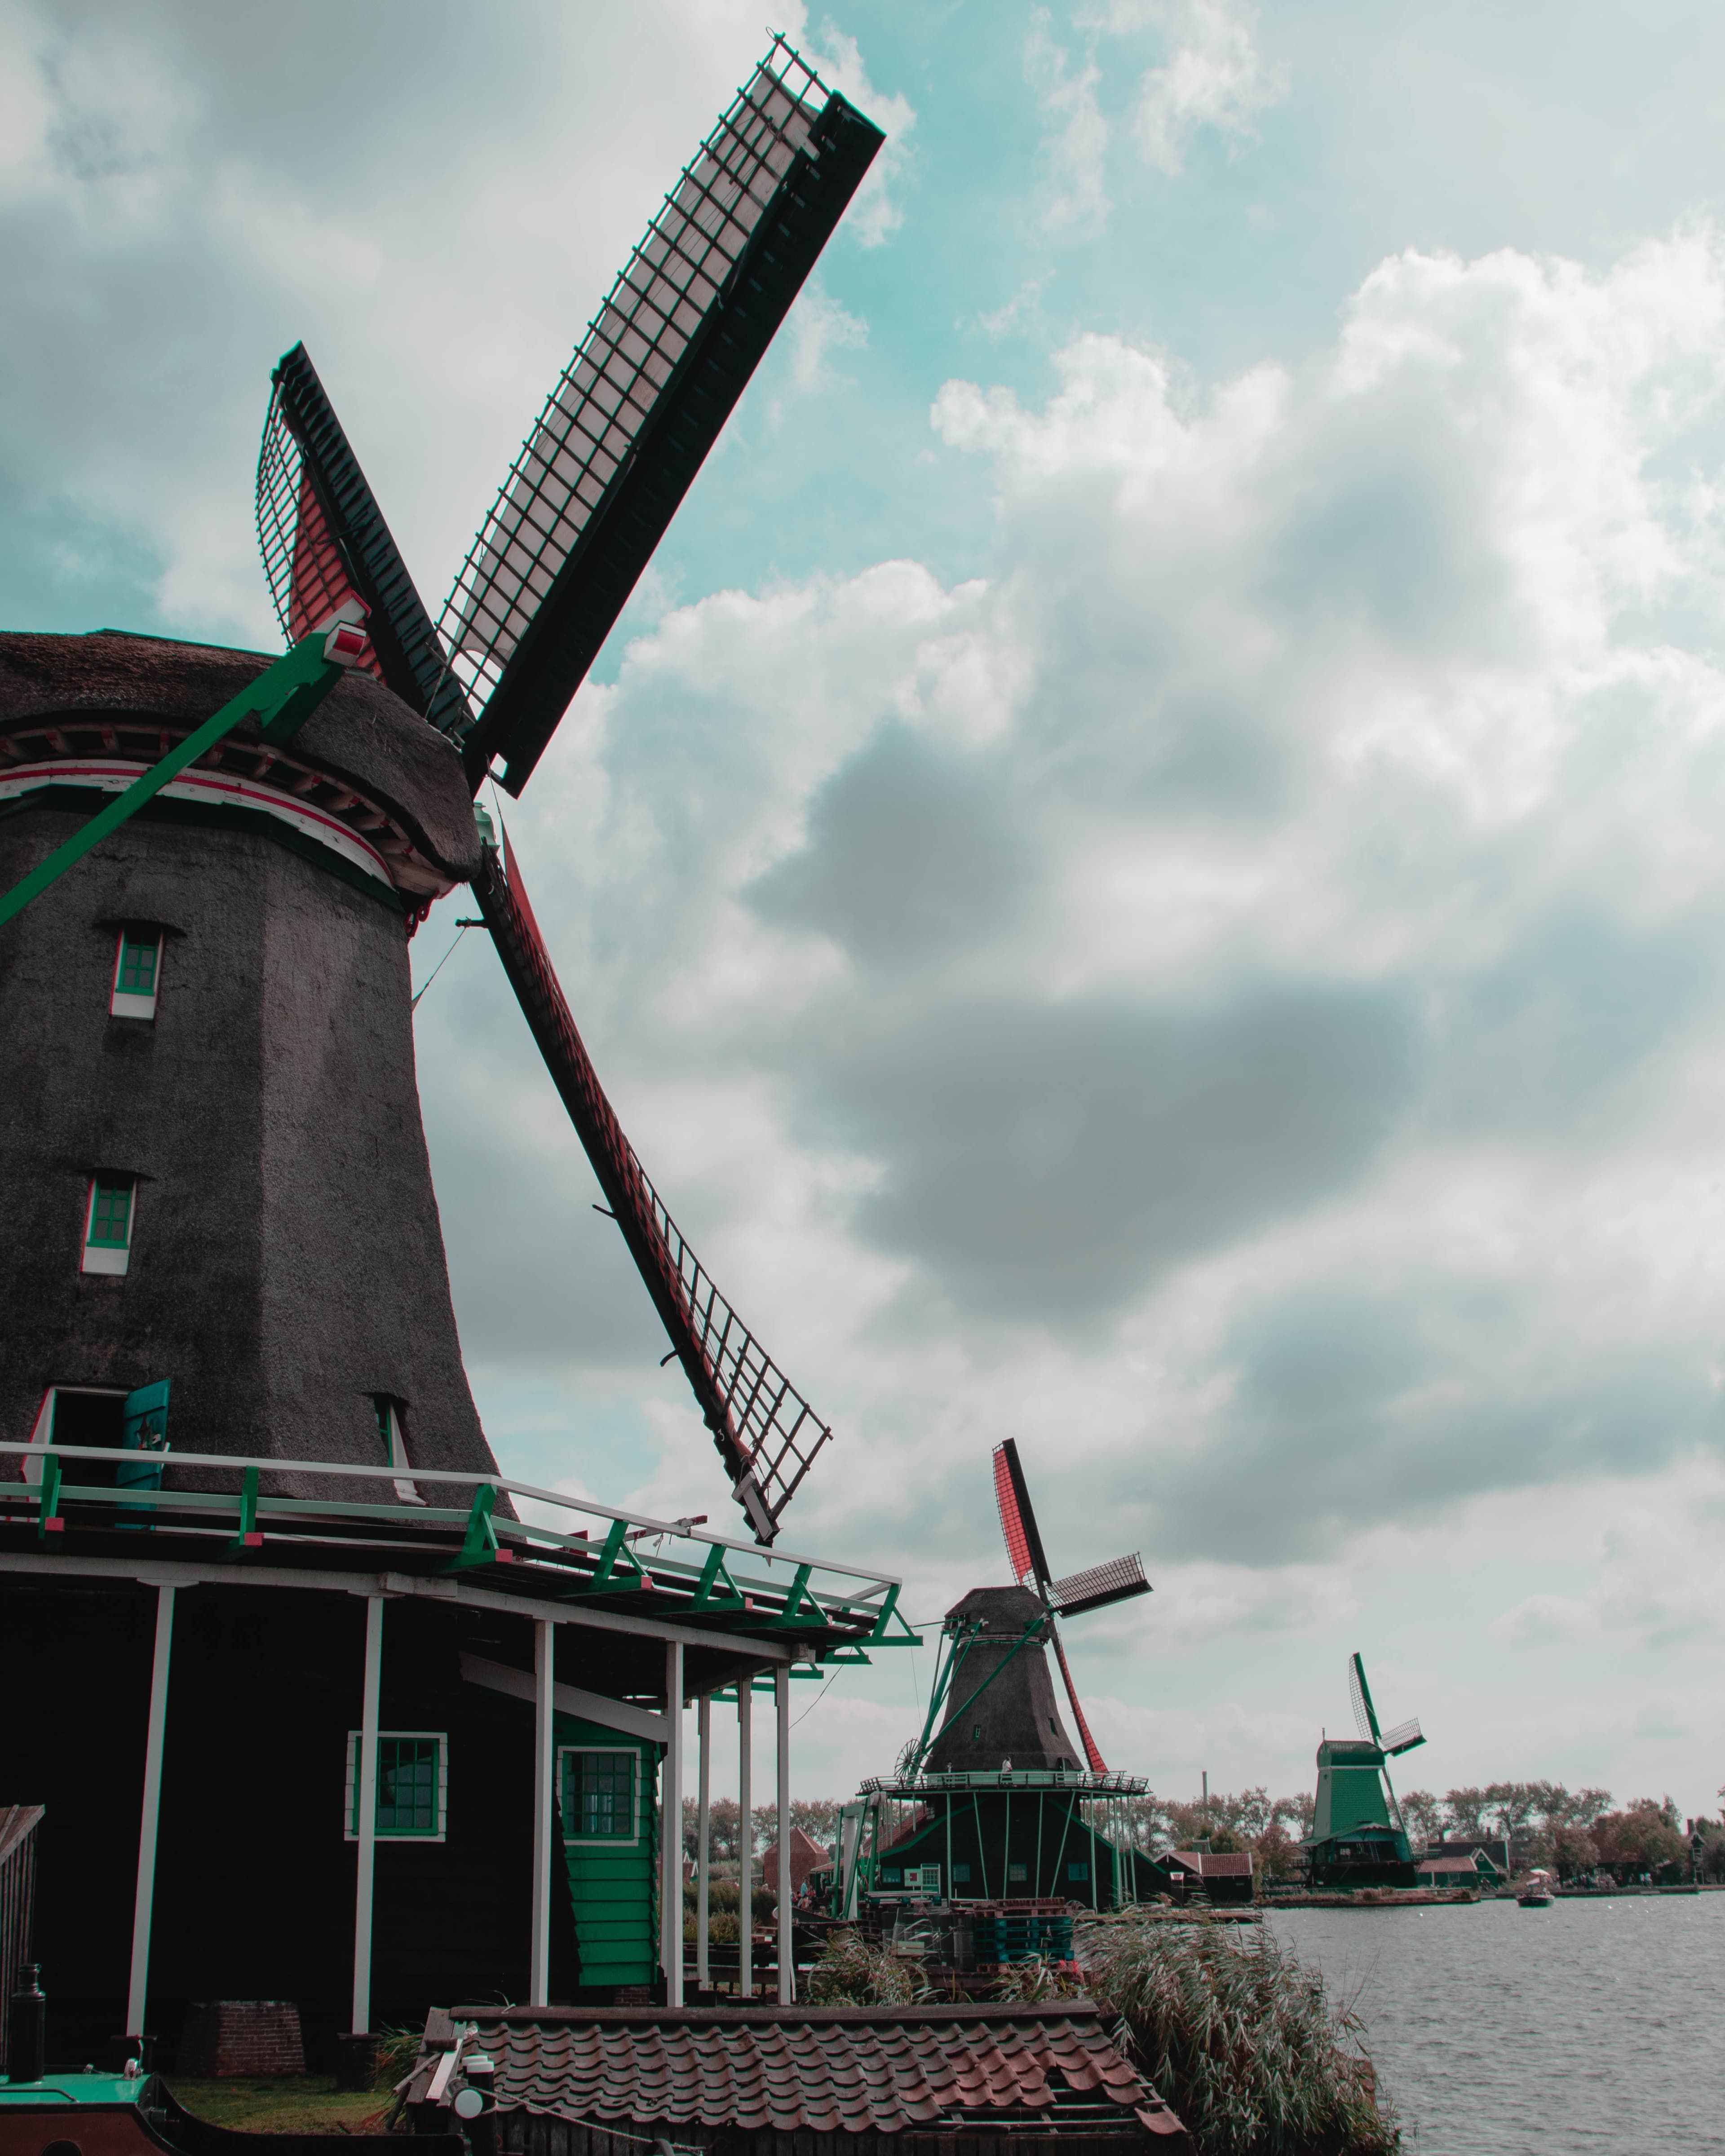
(851, 1972)
(1240, 2037)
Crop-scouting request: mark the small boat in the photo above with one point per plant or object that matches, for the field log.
(1536, 1893)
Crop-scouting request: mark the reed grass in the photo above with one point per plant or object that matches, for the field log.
(851, 1972)
(1240, 2037)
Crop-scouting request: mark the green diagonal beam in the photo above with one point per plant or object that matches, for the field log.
(284, 696)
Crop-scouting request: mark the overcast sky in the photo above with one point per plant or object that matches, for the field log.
(1147, 870)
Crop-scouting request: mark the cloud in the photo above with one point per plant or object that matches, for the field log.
(1239, 976)
(1074, 148)
(1214, 76)
(819, 327)
(878, 210)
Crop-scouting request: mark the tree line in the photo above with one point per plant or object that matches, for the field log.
(1570, 1832)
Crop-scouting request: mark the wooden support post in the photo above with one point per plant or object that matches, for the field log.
(137, 1991)
(703, 1840)
(744, 1837)
(366, 1822)
(544, 1754)
(670, 1832)
(782, 1703)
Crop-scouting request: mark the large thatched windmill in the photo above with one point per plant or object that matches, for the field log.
(221, 1264)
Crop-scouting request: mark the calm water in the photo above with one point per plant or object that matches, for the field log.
(1499, 2031)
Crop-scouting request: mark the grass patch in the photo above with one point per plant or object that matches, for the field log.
(288, 2103)
(1241, 2038)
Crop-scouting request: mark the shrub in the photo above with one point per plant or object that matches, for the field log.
(1241, 2038)
(851, 1972)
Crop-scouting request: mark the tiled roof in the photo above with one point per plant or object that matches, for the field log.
(823, 2070)
(1219, 1864)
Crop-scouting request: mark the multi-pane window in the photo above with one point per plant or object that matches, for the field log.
(599, 1796)
(413, 1799)
(107, 1231)
(136, 970)
(1077, 1872)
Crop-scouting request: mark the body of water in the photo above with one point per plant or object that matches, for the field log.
(1502, 2031)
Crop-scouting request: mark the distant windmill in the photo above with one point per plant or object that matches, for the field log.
(593, 490)
(1113, 1581)
(1358, 1838)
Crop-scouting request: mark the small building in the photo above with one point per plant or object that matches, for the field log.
(1461, 1864)
(765, 2080)
(1220, 1876)
(807, 1856)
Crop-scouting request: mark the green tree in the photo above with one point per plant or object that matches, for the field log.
(1464, 1811)
(1644, 1837)
(1423, 1813)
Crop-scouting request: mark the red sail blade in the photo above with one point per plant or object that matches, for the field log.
(765, 1431)
(1012, 1521)
(1097, 1765)
(1018, 1522)
(308, 578)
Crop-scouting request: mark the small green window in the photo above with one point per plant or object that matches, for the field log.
(1015, 1873)
(1080, 1872)
(110, 1214)
(960, 1874)
(599, 1802)
(410, 1796)
(138, 954)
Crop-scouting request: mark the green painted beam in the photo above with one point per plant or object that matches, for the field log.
(284, 696)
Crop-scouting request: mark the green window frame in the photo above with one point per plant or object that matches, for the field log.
(412, 1785)
(1078, 1873)
(600, 1794)
(960, 1874)
(140, 960)
(109, 1227)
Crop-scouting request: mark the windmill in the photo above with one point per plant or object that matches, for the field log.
(616, 448)
(1115, 1580)
(1358, 1837)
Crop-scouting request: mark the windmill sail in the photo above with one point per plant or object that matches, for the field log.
(1119, 1577)
(325, 542)
(634, 414)
(1365, 1715)
(765, 1431)
(1103, 1584)
(1018, 1522)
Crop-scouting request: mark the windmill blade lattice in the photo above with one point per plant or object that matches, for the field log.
(1115, 1581)
(765, 1431)
(633, 415)
(1365, 1719)
(325, 542)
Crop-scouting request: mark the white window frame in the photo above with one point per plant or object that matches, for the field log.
(922, 1878)
(108, 1257)
(122, 1003)
(602, 1840)
(350, 1799)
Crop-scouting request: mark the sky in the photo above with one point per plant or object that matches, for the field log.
(1146, 868)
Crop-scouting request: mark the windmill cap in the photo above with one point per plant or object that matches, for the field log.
(361, 734)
